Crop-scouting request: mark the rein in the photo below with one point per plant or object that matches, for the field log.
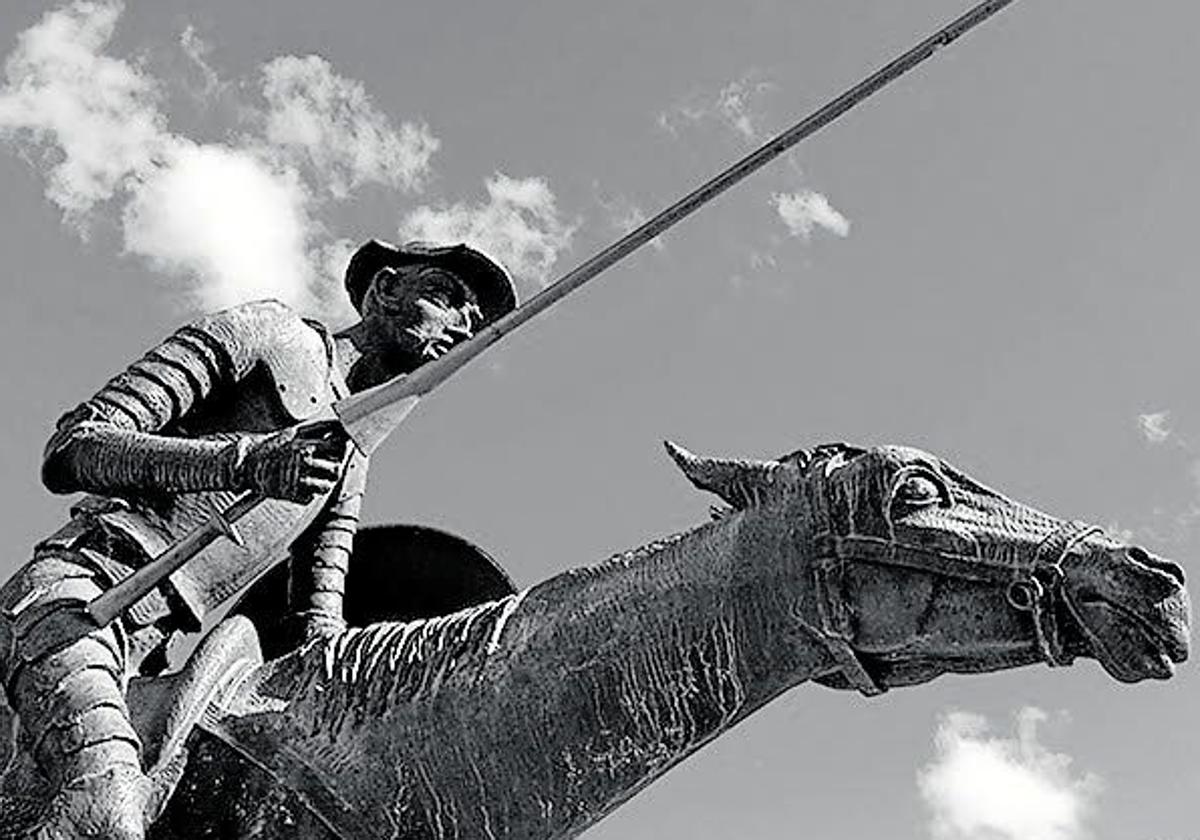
(1034, 587)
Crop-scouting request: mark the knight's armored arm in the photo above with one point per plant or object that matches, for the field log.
(111, 443)
(102, 457)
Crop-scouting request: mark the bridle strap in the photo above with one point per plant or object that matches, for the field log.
(834, 628)
(831, 553)
(832, 623)
(1040, 579)
(1044, 585)
(882, 552)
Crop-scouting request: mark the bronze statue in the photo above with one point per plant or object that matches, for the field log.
(506, 714)
(535, 713)
(213, 409)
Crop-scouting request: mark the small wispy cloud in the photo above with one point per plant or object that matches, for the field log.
(1174, 523)
(982, 787)
(518, 223)
(739, 109)
(320, 120)
(1155, 426)
(806, 210)
(735, 107)
(624, 216)
(734, 104)
(197, 51)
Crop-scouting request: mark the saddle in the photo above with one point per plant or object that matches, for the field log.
(164, 711)
(397, 573)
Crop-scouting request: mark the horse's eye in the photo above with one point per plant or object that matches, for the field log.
(918, 491)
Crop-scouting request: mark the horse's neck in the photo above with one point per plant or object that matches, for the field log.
(535, 715)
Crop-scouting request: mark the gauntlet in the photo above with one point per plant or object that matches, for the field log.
(296, 464)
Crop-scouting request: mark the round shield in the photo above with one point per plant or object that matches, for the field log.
(397, 573)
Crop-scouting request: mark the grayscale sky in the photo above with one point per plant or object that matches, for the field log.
(993, 260)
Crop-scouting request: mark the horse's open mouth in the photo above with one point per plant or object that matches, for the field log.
(1131, 645)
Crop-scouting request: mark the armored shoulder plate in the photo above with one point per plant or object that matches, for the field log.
(295, 353)
(298, 361)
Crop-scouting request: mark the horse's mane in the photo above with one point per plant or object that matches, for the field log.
(822, 453)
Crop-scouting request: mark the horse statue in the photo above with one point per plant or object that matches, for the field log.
(535, 714)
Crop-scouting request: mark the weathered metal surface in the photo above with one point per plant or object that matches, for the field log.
(222, 796)
(397, 573)
(535, 715)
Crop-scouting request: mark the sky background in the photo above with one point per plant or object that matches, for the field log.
(994, 260)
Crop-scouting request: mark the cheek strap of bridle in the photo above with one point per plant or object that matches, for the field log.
(834, 626)
(832, 623)
(1039, 591)
(1033, 588)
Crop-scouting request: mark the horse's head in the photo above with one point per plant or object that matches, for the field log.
(914, 569)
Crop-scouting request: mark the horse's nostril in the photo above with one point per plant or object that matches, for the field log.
(1139, 555)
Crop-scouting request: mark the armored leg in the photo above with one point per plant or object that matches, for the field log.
(66, 679)
(63, 676)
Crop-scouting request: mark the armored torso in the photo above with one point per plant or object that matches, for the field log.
(254, 368)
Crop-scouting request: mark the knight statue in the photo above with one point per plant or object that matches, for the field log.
(232, 402)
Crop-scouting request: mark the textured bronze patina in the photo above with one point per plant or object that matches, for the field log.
(534, 715)
(235, 405)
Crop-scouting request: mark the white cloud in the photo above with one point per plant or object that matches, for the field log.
(232, 225)
(319, 119)
(980, 787)
(224, 218)
(244, 218)
(235, 221)
(735, 107)
(806, 210)
(738, 108)
(518, 224)
(197, 50)
(91, 120)
(219, 216)
(1155, 427)
(624, 216)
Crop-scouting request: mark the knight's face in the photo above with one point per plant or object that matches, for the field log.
(419, 312)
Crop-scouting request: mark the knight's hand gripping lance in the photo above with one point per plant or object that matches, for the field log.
(370, 416)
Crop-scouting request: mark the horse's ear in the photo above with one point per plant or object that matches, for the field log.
(740, 483)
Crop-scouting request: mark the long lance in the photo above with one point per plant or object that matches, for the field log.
(369, 416)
